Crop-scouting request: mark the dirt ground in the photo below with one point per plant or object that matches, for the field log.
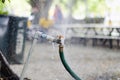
(90, 63)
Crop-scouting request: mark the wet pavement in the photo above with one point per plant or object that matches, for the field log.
(90, 63)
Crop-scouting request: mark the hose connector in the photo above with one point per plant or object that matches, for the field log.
(59, 39)
(44, 36)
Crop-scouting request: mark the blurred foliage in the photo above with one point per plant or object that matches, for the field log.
(15, 7)
(79, 7)
(97, 7)
(19, 8)
(3, 6)
(74, 7)
(3, 1)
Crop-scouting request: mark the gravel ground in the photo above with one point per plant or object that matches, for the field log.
(90, 63)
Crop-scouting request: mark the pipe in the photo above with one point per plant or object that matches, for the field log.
(61, 54)
(28, 57)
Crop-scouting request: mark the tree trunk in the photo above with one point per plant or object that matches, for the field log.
(42, 7)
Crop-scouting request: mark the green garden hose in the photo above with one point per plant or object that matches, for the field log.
(61, 54)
